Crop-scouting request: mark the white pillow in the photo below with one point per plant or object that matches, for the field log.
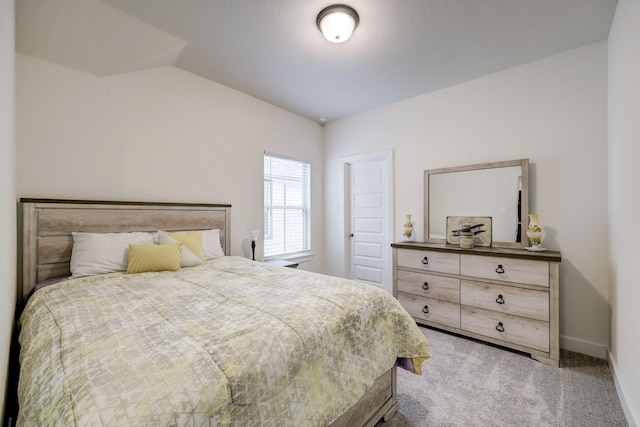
(191, 245)
(211, 247)
(100, 253)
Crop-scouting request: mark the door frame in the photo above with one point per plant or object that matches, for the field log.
(387, 157)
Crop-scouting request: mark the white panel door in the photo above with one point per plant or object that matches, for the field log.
(369, 207)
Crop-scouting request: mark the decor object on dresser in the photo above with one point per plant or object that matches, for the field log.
(498, 190)
(534, 234)
(226, 342)
(253, 235)
(466, 236)
(508, 297)
(477, 227)
(408, 227)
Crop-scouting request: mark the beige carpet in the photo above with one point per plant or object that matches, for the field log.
(468, 383)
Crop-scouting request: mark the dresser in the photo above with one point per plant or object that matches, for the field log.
(507, 297)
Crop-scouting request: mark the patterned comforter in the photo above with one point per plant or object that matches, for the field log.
(230, 342)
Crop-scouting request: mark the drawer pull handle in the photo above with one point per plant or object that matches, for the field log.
(500, 299)
(425, 260)
(425, 309)
(500, 327)
(425, 286)
(500, 269)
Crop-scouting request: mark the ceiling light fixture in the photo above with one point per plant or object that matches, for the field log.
(337, 22)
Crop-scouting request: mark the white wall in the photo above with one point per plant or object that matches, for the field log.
(552, 111)
(156, 135)
(624, 202)
(7, 190)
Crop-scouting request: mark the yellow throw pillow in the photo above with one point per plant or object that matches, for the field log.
(143, 258)
(191, 245)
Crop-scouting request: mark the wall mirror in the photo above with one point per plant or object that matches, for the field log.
(498, 190)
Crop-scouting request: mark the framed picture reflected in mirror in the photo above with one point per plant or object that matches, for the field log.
(479, 226)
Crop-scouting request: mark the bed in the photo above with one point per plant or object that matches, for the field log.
(228, 341)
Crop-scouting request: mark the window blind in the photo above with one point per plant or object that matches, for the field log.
(287, 205)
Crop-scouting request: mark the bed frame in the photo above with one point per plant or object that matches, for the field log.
(47, 226)
(47, 242)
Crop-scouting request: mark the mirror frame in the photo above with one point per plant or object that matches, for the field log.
(524, 202)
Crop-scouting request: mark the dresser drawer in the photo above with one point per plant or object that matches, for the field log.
(429, 285)
(506, 299)
(442, 262)
(512, 329)
(431, 310)
(506, 269)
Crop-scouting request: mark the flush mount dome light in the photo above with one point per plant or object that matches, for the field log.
(337, 22)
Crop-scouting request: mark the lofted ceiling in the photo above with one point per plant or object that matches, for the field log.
(272, 49)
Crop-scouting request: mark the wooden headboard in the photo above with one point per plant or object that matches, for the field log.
(47, 225)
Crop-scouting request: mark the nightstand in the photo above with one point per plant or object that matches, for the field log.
(282, 263)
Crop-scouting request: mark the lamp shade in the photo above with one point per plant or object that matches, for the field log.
(254, 234)
(337, 22)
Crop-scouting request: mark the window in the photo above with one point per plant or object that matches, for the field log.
(287, 206)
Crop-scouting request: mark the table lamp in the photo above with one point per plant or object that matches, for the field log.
(254, 236)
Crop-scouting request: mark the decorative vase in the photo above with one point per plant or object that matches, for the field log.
(534, 232)
(408, 227)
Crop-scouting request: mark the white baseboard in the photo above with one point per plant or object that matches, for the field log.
(632, 419)
(584, 347)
